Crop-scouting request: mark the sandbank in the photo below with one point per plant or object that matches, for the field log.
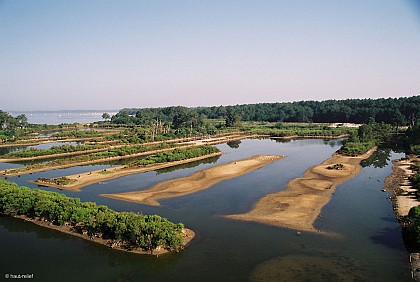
(83, 179)
(299, 206)
(196, 182)
(188, 235)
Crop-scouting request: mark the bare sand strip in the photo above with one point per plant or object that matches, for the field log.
(299, 206)
(188, 235)
(196, 182)
(88, 178)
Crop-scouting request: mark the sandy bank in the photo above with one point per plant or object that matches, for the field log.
(88, 178)
(299, 206)
(188, 235)
(404, 193)
(196, 182)
(403, 199)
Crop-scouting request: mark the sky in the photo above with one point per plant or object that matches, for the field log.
(63, 55)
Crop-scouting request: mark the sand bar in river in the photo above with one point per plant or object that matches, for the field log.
(299, 206)
(196, 182)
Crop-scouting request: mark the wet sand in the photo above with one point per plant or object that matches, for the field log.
(299, 206)
(88, 178)
(196, 182)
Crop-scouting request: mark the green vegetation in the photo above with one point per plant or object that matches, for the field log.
(11, 127)
(125, 229)
(57, 181)
(77, 134)
(109, 153)
(395, 111)
(356, 148)
(368, 136)
(177, 155)
(295, 129)
(51, 151)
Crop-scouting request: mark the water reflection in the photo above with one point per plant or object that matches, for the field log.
(211, 160)
(378, 159)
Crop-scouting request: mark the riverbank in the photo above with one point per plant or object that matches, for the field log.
(188, 235)
(196, 182)
(403, 199)
(77, 181)
(299, 206)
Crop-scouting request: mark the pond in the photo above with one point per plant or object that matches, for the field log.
(366, 244)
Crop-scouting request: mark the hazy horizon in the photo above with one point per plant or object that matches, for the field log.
(217, 105)
(80, 55)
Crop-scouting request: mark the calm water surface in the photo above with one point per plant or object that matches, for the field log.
(365, 242)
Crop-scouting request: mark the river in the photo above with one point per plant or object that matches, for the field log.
(365, 245)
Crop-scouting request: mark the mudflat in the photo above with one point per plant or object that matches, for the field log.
(299, 206)
(196, 182)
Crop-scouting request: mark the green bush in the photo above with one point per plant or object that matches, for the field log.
(177, 155)
(127, 229)
(356, 148)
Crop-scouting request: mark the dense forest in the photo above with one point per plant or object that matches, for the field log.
(395, 111)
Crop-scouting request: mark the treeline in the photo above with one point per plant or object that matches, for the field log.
(125, 229)
(177, 155)
(395, 111)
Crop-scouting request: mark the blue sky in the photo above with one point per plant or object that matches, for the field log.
(112, 54)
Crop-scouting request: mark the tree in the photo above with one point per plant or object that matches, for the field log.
(106, 116)
(232, 117)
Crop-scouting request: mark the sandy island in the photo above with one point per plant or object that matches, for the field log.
(196, 182)
(299, 206)
(187, 234)
(83, 179)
